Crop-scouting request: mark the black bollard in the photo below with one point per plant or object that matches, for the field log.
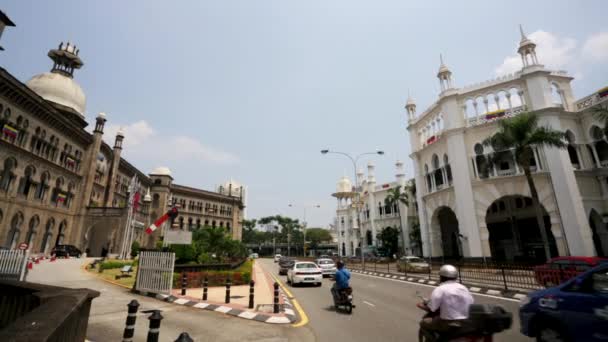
(251, 285)
(276, 298)
(227, 299)
(127, 336)
(184, 283)
(184, 337)
(205, 284)
(154, 328)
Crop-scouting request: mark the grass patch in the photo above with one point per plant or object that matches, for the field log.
(110, 274)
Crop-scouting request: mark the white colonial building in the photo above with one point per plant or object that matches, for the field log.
(353, 234)
(474, 206)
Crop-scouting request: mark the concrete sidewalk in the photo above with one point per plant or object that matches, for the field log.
(109, 310)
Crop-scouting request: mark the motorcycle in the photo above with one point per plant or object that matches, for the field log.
(343, 299)
(484, 321)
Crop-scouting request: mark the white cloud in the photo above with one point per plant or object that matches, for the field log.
(143, 141)
(552, 51)
(596, 47)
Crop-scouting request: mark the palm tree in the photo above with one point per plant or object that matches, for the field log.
(394, 197)
(521, 134)
(601, 113)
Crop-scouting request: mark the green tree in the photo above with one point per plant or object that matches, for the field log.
(249, 233)
(316, 236)
(289, 229)
(395, 197)
(601, 113)
(134, 249)
(389, 237)
(521, 134)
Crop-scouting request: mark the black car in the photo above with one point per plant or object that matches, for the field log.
(65, 251)
(285, 264)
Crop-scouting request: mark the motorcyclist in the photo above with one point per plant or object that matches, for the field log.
(452, 300)
(342, 278)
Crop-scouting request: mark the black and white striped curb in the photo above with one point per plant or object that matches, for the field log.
(481, 290)
(288, 316)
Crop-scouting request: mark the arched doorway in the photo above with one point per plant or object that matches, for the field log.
(514, 230)
(447, 223)
(599, 233)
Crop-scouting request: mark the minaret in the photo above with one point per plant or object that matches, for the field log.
(111, 186)
(410, 107)
(445, 76)
(527, 50)
(400, 174)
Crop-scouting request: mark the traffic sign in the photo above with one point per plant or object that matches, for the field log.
(23, 246)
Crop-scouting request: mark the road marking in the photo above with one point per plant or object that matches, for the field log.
(289, 294)
(368, 303)
(424, 285)
(303, 317)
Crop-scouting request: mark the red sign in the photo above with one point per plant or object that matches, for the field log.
(23, 246)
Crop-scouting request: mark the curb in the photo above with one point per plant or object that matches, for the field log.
(517, 295)
(287, 317)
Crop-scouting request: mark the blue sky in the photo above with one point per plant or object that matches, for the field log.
(253, 90)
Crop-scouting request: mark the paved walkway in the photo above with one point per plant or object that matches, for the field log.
(109, 311)
(239, 295)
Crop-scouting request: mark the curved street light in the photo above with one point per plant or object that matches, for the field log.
(354, 160)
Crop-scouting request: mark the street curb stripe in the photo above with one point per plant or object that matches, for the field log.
(512, 294)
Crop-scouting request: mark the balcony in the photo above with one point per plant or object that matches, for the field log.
(501, 164)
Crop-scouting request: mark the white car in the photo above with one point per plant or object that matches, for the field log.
(305, 272)
(277, 257)
(327, 266)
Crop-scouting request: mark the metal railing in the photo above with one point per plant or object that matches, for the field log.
(13, 264)
(492, 274)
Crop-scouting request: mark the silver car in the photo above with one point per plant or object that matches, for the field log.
(327, 267)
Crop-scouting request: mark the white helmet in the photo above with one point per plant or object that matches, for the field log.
(448, 271)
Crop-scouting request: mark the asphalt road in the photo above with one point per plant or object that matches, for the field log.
(386, 310)
(109, 310)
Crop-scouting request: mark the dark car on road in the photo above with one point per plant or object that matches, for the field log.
(65, 251)
(285, 263)
(560, 269)
(576, 310)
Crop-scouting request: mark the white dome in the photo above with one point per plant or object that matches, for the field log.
(60, 89)
(161, 171)
(344, 185)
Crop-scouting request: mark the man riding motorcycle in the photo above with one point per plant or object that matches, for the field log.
(452, 300)
(342, 278)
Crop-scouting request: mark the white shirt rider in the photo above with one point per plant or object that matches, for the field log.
(453, 300)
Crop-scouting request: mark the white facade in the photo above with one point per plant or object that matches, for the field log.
(472, 206)
(374, 215)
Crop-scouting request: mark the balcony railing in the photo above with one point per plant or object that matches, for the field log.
(496, 115)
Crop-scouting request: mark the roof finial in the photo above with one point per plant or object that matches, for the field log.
(441, 58)
(521, 31)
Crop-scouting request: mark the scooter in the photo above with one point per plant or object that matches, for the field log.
(343, 299)
(483, 322)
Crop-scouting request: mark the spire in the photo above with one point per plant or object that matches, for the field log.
(521, 31)
(410, 106)
(444, 74)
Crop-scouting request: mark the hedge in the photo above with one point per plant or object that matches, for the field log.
(240, 276)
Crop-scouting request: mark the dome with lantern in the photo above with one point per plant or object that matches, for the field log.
(161, 171)
(230, 188)
(58, 86)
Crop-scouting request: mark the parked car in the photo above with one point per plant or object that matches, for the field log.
(66, 250)
(305, 272)
(412, 264)
(576, 310)
(285, 264)
(327, 266)
(560, 269)
(277, 257)
(254, 256)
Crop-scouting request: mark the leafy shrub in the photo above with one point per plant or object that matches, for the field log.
(134, 249)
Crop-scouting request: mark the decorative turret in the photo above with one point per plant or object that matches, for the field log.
(400, 175)
(120, 135)
(65, 59)
(527, 50)
(100, 122)
(445, 76)
(410, 107)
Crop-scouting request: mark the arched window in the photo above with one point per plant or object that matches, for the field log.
(555, 94)
(31, 233)
(70, 194)
(7, 175)
(572, 149)
(198, 223)
(448, 168)
(15, 231)
(213, 223)
(48, 236)
(61, 232)
(27, 181)
(221, 224)
(190, 226)
(57, 196)
(155, 200)
(181, 222)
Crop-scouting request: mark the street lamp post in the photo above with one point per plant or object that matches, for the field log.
(357, 191)
(304, 224)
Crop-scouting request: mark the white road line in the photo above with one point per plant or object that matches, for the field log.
(368, 303)
(424, 285)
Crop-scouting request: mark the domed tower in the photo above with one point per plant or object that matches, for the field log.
(527, 50)
(445, 76)
(58, 86)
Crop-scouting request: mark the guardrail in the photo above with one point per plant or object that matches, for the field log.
(35, 312)
(499, 275)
